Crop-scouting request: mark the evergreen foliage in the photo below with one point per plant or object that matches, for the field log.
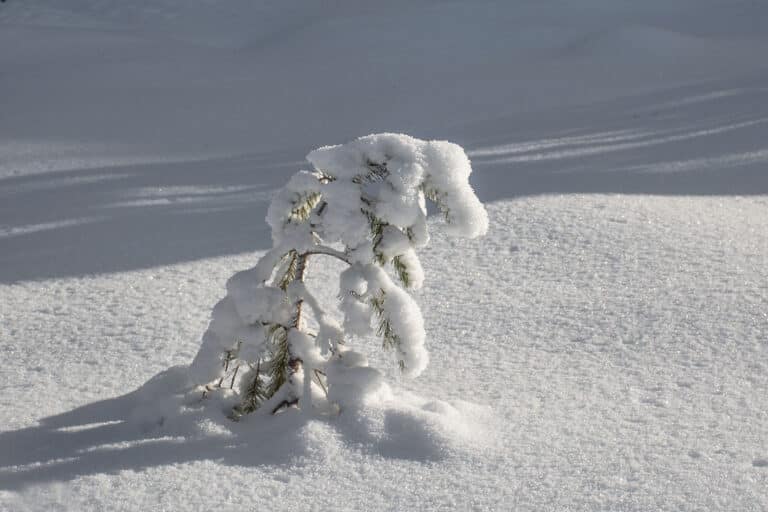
(364, 203)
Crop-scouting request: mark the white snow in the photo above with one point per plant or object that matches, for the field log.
(603, 347)
(441, 167)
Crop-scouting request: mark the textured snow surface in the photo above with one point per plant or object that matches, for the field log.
(614, 345)
(604, 347)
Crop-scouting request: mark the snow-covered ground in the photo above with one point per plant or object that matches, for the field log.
(604, 347)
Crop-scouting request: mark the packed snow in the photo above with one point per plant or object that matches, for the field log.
(603, 347)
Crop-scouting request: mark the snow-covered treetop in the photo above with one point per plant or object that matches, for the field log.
(387, 176)
(411, 168)
(364, 203)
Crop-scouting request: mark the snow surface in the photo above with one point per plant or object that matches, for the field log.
(604, 347)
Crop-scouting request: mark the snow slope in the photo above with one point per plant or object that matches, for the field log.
(605, 347)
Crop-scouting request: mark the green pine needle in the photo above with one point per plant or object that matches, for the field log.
(290, 269)
(253, 395)
(377, 230)
(303, 206)
(402, 271)
(390, 339)
(279, 359)
(438, 198)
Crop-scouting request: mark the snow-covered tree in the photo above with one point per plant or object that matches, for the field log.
(365, 204)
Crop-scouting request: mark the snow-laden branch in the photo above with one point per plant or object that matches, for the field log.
(327, 251)
(370, 198)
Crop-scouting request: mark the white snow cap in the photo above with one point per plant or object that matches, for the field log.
(439, 168)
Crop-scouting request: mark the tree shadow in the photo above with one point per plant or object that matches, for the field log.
(146, 428)
(111, 219)
(101, 437)
(706, 139)
(699, 140)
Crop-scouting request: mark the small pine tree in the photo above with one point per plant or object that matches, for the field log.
(364, 203)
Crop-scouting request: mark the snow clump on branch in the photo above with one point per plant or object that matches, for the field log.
(364, 203)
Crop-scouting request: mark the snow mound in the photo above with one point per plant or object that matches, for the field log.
(411, 427)
(392, 424)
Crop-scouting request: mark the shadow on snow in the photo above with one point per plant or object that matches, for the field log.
(105, 220)
(702, 140)
(114, 435)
